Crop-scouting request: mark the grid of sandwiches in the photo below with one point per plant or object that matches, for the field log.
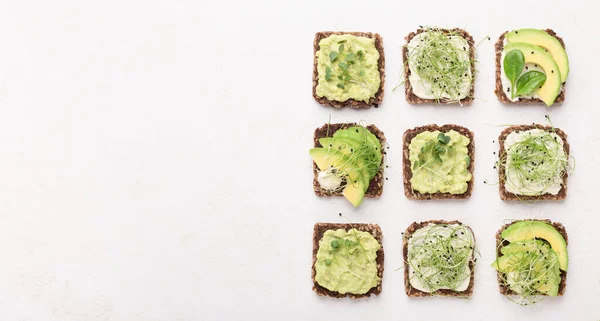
(438, 161)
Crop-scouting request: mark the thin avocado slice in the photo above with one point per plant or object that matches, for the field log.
(528, 230)
(542, 39)
(326, 158)
(355, 190)
(529, 245)
(537, 55)
(365, 138)
(354, 151)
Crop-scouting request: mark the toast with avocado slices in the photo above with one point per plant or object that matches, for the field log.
(438, 162)
(531, 67)
(348, 161)
(439, 259)
(445, 77)
(347, 260)
(531, 260)
(534, 163)
(349, 69)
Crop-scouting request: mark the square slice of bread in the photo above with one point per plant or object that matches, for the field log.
(375, 185)
(500, 90)
(374, 101)
(319, 231)
(408, 89)
(500, 242)
(407, 168)
(412, 292)
(507, 196)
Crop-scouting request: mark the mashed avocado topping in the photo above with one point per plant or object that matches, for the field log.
(440, 162)
(346, 261)
(348, 68)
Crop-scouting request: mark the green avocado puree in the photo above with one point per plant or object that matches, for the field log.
(346, 261)
(362, 74)
(449, 176)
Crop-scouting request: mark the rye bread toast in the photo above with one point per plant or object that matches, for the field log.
(500, 90)
(504, 290)
(507, 196)
(374, 101)
(408, 89)
(319, 231)
(411, 291)
(407, 168)
(375, 185)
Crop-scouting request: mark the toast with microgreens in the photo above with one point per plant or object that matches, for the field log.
(439, 259)
(439, 66)
(348, 161)
(438, 162)
(349, 69)
(532, 260)
(347, 260)
(534, 163)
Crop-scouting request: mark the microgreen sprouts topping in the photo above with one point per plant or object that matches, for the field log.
(439, 257)
(342, 62)
(535, 162)
(443, 66)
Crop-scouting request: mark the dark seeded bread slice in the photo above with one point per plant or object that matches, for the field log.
(500, 242)
(407, 168)
(319, 231)
(505, 195)
(374, 101)
(500, 91)
(375, 186)
(412, 292)
(414, 99)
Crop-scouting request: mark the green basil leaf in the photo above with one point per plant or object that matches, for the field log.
(327, 73)
(333, 56)
(514, 62)
(341, 48)
(327, 261)
(468, 160)
(340, 85)
(350, 57)
(343, 66)
(529, 82)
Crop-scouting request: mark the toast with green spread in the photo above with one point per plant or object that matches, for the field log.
(438, 162)
(347, 260)
(349, 69)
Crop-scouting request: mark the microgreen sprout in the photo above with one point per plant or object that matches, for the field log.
(342, 64)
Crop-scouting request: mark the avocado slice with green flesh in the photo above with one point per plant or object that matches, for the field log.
(543, 39)
(537, 55)
(529, 245)
(528, 230)
(326, 158)
(353, 150)
(355, 190)
(549, 277)
(364, 137)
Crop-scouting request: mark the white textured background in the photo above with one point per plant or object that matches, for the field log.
(154, 159)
